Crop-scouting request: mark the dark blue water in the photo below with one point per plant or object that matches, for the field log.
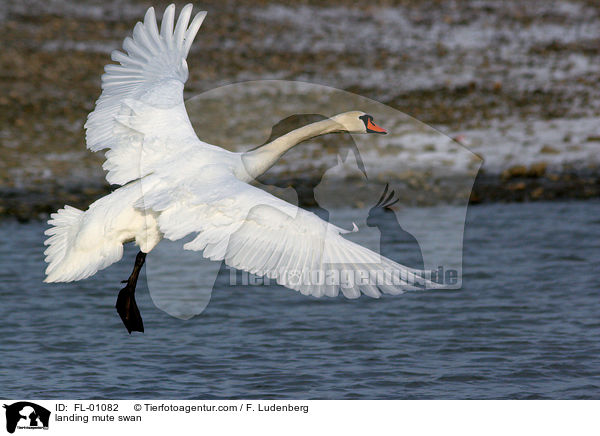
(525, 325)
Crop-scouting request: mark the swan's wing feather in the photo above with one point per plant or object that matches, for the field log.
(256, 232)
(140, 115)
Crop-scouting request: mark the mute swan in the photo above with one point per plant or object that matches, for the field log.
(190, 186)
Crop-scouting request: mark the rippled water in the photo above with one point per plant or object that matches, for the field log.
(524, 325)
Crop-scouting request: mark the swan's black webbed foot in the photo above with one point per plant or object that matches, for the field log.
(128, 310)
(126, 305)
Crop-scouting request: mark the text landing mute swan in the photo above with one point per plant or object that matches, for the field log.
(191, 187)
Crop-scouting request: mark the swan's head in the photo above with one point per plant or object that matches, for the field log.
(358, 122)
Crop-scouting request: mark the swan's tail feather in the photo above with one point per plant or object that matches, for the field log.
(68, 255)
(65, 226)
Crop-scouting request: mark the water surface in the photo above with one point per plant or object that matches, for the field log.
(524, 325)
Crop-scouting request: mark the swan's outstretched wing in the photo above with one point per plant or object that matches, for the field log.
(140, 116)
(256, 232)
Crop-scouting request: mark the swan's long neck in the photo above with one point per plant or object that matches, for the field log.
(256, 162)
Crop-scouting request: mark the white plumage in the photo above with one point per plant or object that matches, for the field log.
(173, 184)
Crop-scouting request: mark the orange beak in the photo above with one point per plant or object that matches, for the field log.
(372, 127)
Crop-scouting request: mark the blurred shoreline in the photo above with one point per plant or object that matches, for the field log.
(40, 202)
(516, 81)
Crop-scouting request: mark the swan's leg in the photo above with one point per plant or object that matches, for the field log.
(126, 305)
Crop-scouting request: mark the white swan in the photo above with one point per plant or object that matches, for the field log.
(191, 187)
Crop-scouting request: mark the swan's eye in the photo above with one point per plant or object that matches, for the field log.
(371, 126)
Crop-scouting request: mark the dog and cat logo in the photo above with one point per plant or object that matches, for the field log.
(26, 415)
